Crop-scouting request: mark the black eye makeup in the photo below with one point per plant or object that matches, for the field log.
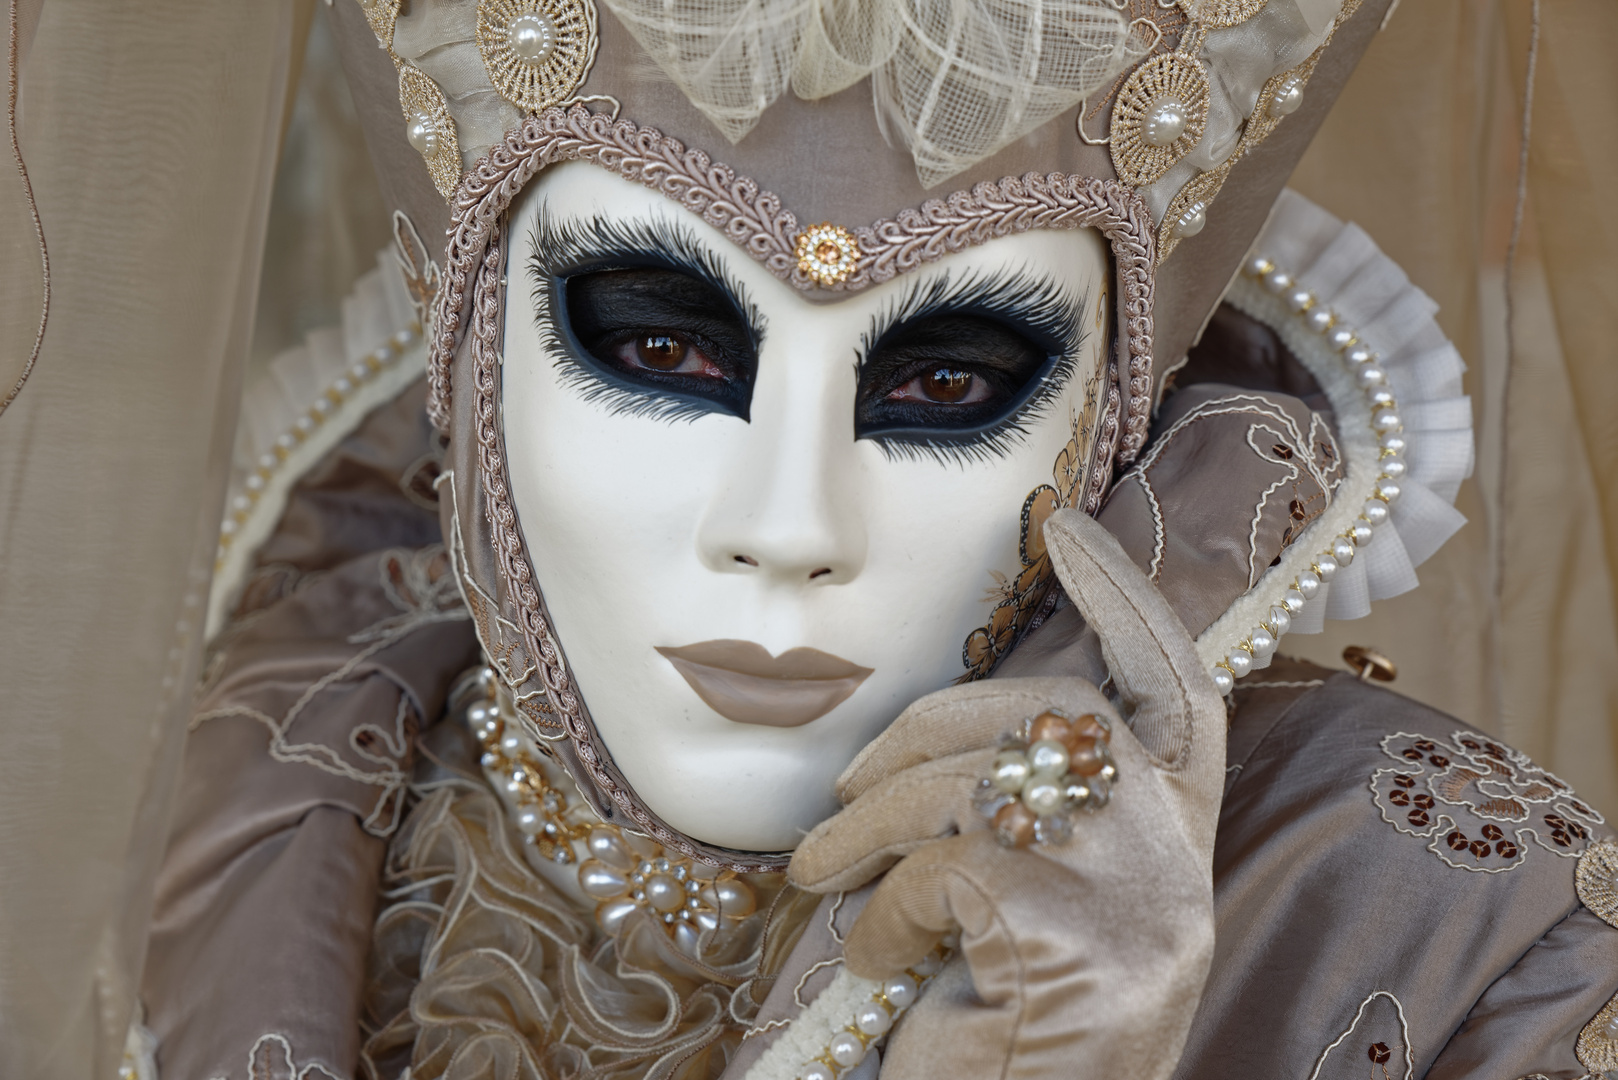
(642, 317)
(957, 369)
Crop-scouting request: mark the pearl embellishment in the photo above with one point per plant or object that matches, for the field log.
(532, 38)
(422, 132)
(1192, 221)
(1165, 122)
(1287, 98)
(1386, 425)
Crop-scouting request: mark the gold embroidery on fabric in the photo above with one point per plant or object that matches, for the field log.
(536, 52)
(1597, 1048)
(383, 15)
(1145, 145)
(1166, 25)
(1597, 880)
(1205, 186)
(1020, 600)
(1222, 13)
(1479, 803)
(426, 113)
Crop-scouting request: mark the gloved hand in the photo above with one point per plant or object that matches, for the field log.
(1085, 958)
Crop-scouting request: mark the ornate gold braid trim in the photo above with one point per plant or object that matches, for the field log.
(757, 222)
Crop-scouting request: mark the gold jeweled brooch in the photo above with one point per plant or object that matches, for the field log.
(827, 253)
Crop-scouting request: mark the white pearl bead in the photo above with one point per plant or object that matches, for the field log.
(1280, 620)
(1287, 98)
(1362, 533)
(529, 821)
(1370, 375)
(1325, 567)
(1043, 796)
(1320, 320)
(1393, 442)
(532, 37)
(1359, 354)
(268, 461)
(1388, 490)
(1340, 338)
(1393, 467)
(900, 991)
(1192, 221)
(1308, 584)
(1011, 771)
(872, 1019)
(255, 481)
(1258, 266)
(1375, 511)
(664, 893)
(422, 132)
(1048, 757)
(1386, 420)
(1263, 642)
(601, 881)
(1300, 299)
(1223, 681)
(1380, 398)
(607, 847)
(1240, 662)
(1294, 601)
(818, 1070)
(1342, 549)
(1278, 281)
(1164, 123)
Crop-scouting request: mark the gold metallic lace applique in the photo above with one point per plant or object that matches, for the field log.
(536, 52)
(1597, 880)
(1483, 806)
(1221, 13)
(383, 15)
(429, 127)
(1159, 117)
(1597, 1048)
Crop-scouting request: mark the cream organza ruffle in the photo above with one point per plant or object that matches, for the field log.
(480, 967)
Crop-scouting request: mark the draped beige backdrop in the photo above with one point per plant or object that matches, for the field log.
(152, 132)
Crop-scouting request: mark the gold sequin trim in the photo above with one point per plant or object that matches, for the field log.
(1597, 1048)
(827, 253)
(1220, 13)
(536, 52)
(1597, 880)
(422, 101)
(1172, 78)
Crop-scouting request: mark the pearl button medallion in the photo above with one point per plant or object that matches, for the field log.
(532, 37)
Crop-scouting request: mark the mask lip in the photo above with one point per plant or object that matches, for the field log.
(517, 634)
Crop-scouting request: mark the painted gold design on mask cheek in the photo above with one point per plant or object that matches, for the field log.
(715, 525)
(1017, 601)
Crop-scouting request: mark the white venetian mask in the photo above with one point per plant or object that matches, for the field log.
(763, 525)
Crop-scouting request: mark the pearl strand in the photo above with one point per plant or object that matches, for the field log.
(325, 407)
(874, 1018)
(1387, 428)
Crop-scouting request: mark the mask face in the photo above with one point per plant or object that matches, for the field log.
(763, 525)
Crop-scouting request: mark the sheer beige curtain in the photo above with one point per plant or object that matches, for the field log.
(1422, 151)
(150, 132)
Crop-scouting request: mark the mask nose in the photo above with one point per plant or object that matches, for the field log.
(788, 508)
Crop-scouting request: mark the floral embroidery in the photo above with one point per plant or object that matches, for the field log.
(1482, 804)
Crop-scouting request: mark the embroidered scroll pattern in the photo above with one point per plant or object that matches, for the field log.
(1481, 804)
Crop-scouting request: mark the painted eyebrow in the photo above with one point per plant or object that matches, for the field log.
(560, 247)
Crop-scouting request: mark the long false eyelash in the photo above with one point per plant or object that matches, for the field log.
(557, 249)
(1023, 299)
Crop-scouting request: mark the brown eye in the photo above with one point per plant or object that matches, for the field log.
(948, 386)
(661, 352)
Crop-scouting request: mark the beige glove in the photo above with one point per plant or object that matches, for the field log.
(1086, 958)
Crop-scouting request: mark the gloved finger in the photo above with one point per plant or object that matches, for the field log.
(889, 821)
(927, 896)
(962, 718)
(1151, 656)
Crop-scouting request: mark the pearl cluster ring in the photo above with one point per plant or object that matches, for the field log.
(1045, 773)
